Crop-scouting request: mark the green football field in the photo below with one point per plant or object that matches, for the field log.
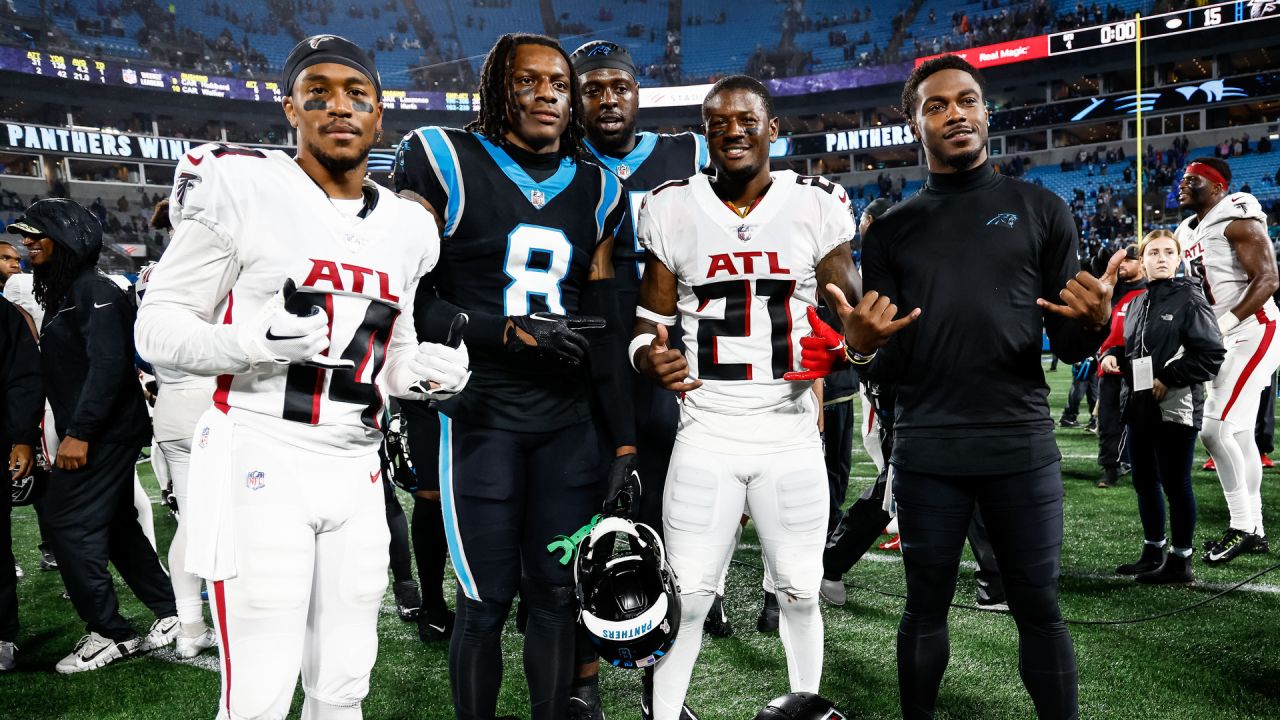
(1219, 660)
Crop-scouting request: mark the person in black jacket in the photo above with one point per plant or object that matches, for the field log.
(981, 263)
(87, 363)
(1172, 346)
(21, 406)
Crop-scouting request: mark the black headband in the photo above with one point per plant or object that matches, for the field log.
(319, 49)
(602, 55)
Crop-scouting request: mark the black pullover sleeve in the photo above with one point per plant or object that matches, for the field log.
(24, 401)
(1069, 339)
(105, 317)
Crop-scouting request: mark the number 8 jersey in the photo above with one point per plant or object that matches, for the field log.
(512, 246)
(743, 285)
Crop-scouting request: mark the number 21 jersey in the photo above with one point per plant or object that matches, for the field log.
(743, 285)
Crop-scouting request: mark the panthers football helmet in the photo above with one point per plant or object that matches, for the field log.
(397, 466)
(800, 706)
(630, 605)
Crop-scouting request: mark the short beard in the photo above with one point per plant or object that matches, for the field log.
(613, 143)
(965, 160)
(335, 165)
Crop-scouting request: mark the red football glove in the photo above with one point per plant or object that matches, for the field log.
(821, 351)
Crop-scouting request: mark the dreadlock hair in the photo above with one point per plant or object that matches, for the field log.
(496, 98)
(160, 216)
(50, 281)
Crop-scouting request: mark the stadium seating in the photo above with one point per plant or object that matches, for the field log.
(476, 40)
(825, 56)
(712, 48)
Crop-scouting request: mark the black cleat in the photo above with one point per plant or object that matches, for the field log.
(1110, 476)
(408, 601)
(580, 709)
(435, 626)
(767, 620)
(47, 559)
(1233, 543)
(717, 623)
(1260, 546)
(1068, 423)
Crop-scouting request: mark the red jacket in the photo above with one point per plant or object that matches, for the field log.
(1115, 339)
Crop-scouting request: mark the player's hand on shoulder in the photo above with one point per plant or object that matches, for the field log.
(1087, 298)
(551, 335)
(667, 367)
(822, 351)
(870, 324)
(276, 335)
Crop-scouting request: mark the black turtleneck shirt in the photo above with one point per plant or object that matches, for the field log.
(974, 250)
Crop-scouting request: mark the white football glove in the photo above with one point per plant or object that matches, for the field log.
(444, 370)
(277, 336)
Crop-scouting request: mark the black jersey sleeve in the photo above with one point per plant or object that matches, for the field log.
(1059, 262)
(427, 165)
(877, 275)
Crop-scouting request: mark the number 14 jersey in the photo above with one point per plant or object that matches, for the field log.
(743, 285)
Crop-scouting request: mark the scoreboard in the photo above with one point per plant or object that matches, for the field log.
(1172, 23)
(82, 68)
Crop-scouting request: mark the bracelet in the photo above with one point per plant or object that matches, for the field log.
(638, 342)
(855, 358)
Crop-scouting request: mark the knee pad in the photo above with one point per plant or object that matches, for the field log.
(1215, 433)
(543, 596)
(483, 617)
(314, 708)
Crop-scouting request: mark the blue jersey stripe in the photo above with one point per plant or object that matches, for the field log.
(443, 157)
(456, 552)
(550, 188)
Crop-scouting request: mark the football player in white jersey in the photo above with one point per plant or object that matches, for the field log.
(740, 258)
(289, 278)
(1227, 245)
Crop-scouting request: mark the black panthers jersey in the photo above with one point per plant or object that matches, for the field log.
(511, 246)
(655, 159)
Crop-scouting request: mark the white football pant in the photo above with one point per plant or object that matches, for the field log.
(706, 494)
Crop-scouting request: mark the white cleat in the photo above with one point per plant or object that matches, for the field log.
(93, 651)
(189, 647)
(163, 632)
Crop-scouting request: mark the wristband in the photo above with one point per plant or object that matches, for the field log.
(638, 342)
(1228, 322)
(857, 359)
(645, 313)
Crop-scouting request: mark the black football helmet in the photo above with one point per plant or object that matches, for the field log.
(397, 466)
(630, 605)
(800, 706)
(27, 490)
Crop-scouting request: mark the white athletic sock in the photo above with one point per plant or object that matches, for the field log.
(1255, 506)
(800, 628)
(1159, 544)
(313, 709)
(671, 675)
(1182, 552)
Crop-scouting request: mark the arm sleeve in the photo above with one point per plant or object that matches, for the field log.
(106, 323)
(877, 275)
(23, 389)
(426, 163)
(648, 232)
(433, 315)
(1202, 349)
(1059, 262)
(176, 324)
(610, 371)
(838, 227)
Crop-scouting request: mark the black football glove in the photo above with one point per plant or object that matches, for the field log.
(556, 336)
(623, 493)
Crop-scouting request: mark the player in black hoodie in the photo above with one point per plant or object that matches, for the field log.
(981, 260)
(87, 360)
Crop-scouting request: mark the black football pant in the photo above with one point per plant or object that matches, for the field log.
(8, 577)
(1023, 515)
(92, 521)
(1111, 429)
(837, 441)
(422, 426)
(513, 503)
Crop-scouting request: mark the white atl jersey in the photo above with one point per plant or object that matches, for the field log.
(744, 285)
(1205, 246)
(263, 221)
